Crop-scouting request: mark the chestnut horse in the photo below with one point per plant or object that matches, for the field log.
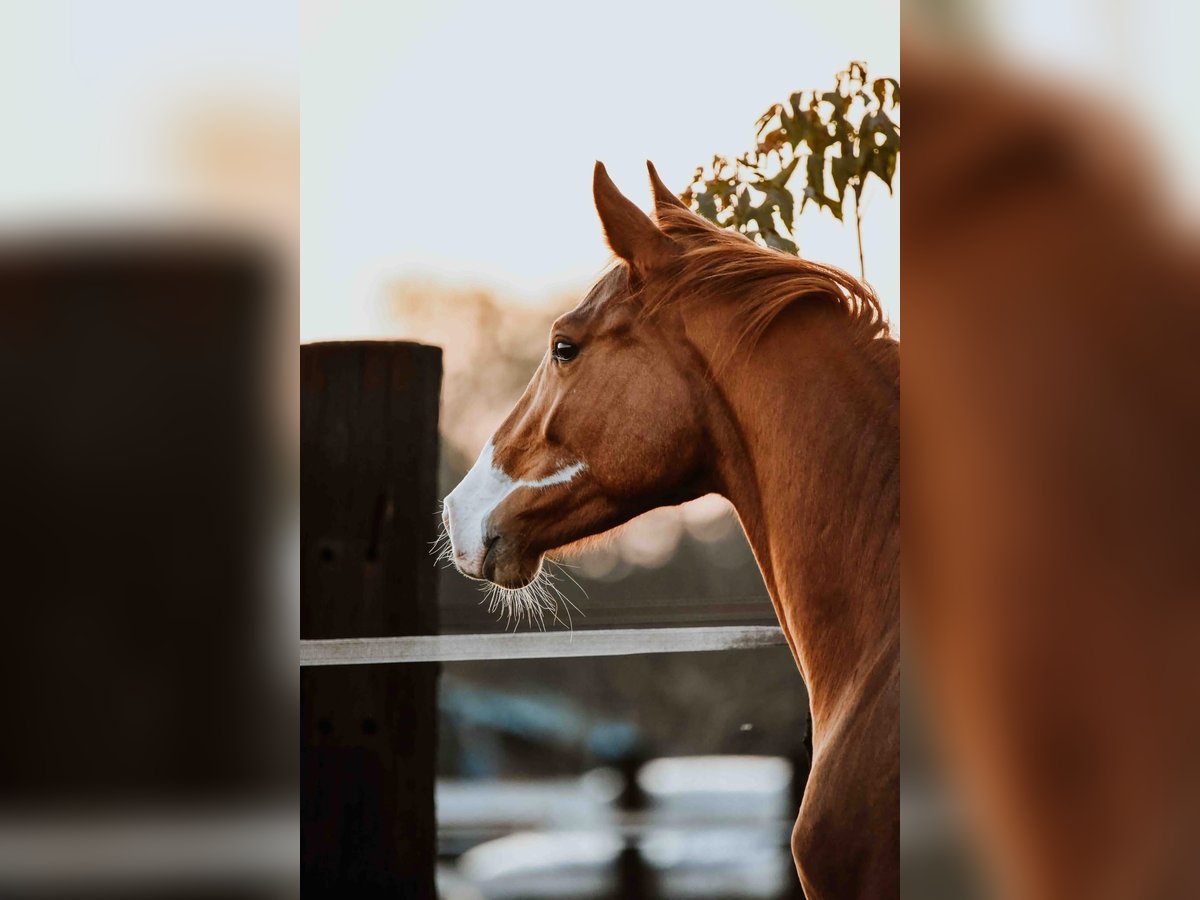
(702, 363)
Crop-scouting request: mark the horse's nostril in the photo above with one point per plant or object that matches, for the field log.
(489, 558)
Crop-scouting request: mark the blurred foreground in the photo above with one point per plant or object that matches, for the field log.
(147, 680)
(1051, 428)
(149, 204)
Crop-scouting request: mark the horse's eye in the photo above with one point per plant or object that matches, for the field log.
(564, 351)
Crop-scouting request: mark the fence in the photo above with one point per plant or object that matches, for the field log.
(369, 599)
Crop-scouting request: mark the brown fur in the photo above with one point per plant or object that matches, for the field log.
(710, 364)
(1053, 411)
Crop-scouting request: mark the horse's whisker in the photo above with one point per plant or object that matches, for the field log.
(532, 604)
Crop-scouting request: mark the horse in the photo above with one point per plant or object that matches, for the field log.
(1052, 421)
(702, 363)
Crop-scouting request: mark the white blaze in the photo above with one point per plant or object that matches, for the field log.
(479, 493)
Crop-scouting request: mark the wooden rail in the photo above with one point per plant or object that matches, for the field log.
(535, 644)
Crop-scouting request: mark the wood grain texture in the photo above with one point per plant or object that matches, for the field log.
(369, 414)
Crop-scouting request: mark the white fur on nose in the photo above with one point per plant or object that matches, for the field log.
(474, 500)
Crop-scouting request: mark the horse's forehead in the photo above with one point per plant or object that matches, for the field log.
(609, 287)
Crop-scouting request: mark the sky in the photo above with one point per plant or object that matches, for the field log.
(100, 93)
(455, 141)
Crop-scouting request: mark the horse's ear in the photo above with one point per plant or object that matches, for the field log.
(663, 197)
(630, 232)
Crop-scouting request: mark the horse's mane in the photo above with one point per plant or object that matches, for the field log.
(718, 262)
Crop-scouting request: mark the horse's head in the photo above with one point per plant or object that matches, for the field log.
(610, 426)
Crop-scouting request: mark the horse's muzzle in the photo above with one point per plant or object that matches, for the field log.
(506, 564)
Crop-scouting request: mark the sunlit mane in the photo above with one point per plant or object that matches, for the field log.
(718, 262)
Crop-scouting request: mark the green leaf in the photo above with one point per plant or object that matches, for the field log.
(778, 199)
(868, 147)
(879, 89)
(772, 140)
(776, 241)
(741, 210)
(814, 169)
(895, 90)
(843, 168)
(795, 127)
(883, 166)
(844, 131)
(787, 209)
(817, 135)
(879, 123)
(765, 119)
(818, 197)
(722, 191)
(781, 178)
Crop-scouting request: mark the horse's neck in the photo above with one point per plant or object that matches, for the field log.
(811, 464)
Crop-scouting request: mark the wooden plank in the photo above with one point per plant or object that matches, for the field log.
(536, 645)
(369, 413)
(138, 437)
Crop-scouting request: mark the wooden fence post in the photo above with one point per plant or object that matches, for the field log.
(369, 441)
